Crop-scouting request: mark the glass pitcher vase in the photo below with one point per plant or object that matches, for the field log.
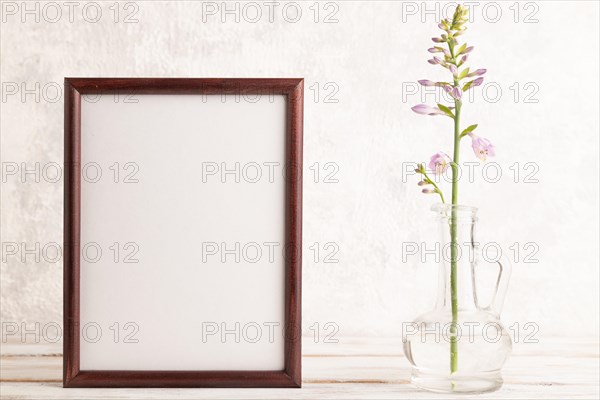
(460, 346)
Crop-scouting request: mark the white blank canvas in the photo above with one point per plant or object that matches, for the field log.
(170, 296)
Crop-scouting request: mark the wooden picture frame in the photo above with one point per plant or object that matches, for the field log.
(81, 216)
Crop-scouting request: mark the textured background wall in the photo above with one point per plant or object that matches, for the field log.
(542, 108)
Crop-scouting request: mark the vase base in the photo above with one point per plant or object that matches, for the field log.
(483, 382)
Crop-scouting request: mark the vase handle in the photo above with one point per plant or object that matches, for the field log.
(504, 272)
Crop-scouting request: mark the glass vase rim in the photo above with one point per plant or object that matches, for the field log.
(445, 210)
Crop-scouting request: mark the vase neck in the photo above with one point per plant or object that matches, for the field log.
(456, 233)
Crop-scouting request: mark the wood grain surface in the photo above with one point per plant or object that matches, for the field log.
(353, 368)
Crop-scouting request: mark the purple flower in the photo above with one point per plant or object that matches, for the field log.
(453, 69)
(439, 162)
(437, 49)
(477, 81)
(482, 147)
(456, 93)
(473, 83)
(437, 40)
(464, 59)
(468, 50)
(424, 109)
(435, 60)
(426, 82)
(478, 72)
(447, 88)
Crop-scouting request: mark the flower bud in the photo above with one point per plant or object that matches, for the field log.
(456, 93)
(453, 69)
(424, 109)
(477, 72)
(426, 82)
(477, 81)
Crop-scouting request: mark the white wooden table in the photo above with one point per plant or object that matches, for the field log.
(354, 368)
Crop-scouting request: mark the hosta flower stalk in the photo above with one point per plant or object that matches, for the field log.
(454, 58)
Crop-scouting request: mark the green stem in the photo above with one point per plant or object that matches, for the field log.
(429, 180)
(453, 241)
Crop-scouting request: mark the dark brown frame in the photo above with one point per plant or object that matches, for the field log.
(72, 375)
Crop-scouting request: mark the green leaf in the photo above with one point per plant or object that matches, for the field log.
(467, 86)
(469, 129)
(446, 110)
(464, 73)
(461, 49)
